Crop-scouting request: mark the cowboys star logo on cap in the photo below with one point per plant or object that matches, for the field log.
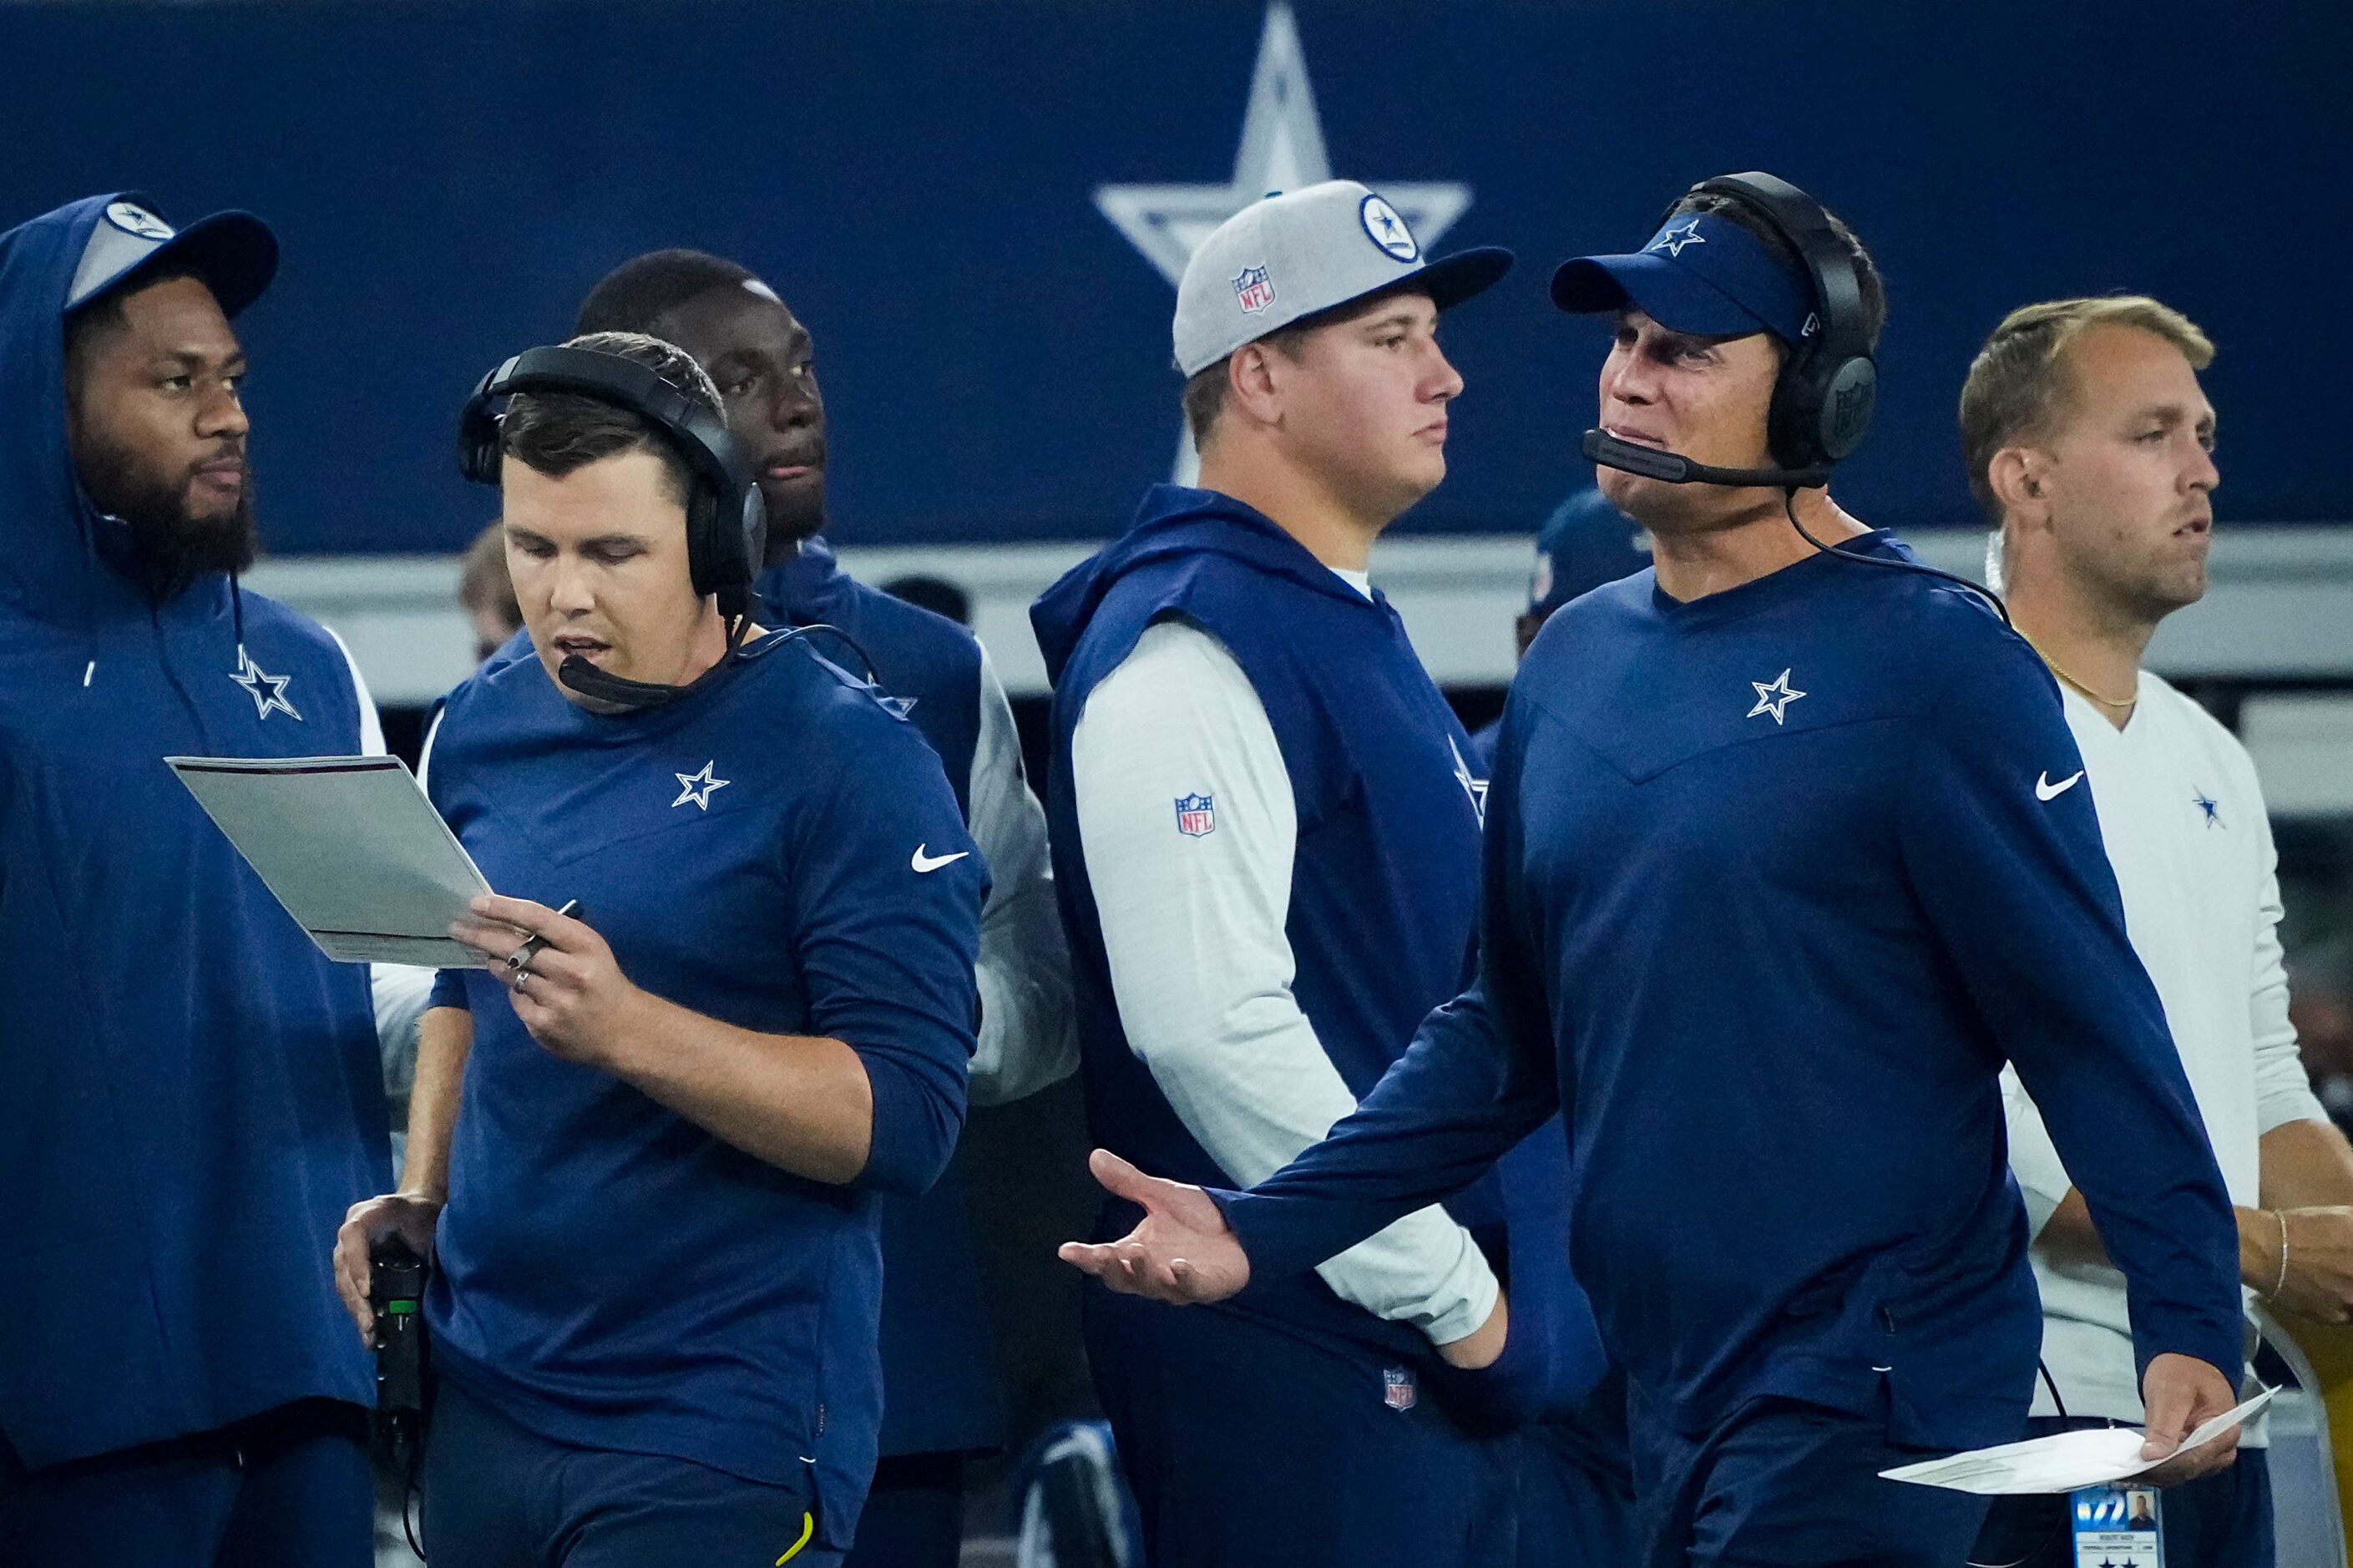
(1253, 290)
(1672, 240)
(233, 253)
(1316, 238)
(133, 218)
(1388, 230)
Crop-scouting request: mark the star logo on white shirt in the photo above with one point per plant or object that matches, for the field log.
(698, 787)
(253, 677)
(2211, 807)
(1773, 696)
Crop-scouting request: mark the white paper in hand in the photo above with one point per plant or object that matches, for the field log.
(351, 846)
(2063, 1461)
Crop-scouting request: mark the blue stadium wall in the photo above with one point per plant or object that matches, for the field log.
(918, 180)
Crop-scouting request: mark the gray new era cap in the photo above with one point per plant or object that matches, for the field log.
(1300, 252)
(233, 252)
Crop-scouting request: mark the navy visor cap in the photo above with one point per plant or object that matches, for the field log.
(1702, 273)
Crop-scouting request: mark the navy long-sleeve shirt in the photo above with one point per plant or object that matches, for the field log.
(1775, 881)
(777, 849)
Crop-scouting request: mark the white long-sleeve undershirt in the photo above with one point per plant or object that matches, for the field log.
(1029, 1035)
(398, 991)
(1194, 928)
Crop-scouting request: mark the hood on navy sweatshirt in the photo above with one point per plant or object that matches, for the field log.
(61, 558)
(1172, 522)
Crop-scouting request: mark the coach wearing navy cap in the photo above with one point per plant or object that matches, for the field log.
(188, 1088)
(1783, 862)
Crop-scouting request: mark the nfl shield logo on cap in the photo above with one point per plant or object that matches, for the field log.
(1197, 815)
(1252, 289)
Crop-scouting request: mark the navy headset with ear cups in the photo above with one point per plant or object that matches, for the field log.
(1823, 400)
(726, 520)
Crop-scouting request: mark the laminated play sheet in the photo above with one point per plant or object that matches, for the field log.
(351, 846)
(2063, 1461)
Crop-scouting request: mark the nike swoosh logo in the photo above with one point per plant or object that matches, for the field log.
(923, 862)
(2045, 790)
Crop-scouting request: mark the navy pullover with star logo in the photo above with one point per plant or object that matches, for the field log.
(190, 1096)
(1772, 890)
(777, 849)
(939, 1369)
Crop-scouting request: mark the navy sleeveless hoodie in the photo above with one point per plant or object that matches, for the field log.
(1385, 883)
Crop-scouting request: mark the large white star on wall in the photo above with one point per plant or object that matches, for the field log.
(1282, 150)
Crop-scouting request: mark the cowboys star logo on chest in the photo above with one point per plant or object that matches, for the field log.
(268, 690)
(1774, 697)
(698, 787)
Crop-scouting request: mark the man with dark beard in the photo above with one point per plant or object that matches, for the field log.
(188, 1088)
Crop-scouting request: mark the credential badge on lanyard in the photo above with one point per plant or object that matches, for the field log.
(2117, 1526)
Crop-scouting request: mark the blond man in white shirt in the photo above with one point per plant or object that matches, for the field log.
(2091, 446)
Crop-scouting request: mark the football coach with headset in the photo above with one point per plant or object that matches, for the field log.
(656, 1285)
(1778, 872)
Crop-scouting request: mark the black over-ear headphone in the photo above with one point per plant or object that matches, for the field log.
(1827, 387)
(726, 521)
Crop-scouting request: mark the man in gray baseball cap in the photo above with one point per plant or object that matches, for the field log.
(1266, 843)
(1279, 261)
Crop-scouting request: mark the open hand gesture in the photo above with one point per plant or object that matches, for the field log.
(1184, 1253)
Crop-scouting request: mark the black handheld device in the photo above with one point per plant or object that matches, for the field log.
(396, 1292)
(397, 1276)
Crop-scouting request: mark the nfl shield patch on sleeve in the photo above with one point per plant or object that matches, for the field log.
(1397, 1388)
(1197, 815)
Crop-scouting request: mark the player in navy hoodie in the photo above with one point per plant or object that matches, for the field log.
(660, 1136)
(1782, 861)
(188, 1088)
(1266, 840)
